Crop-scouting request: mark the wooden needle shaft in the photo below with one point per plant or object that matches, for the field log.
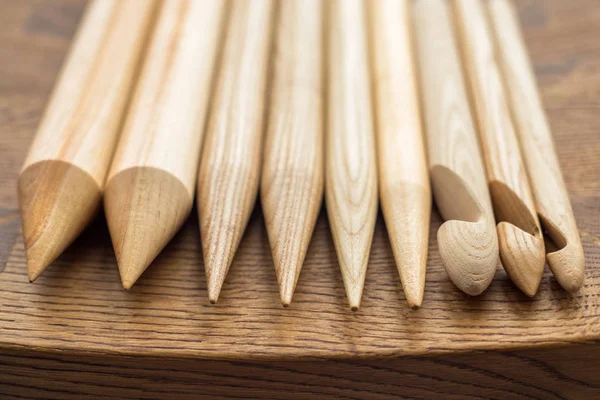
(519, 233)
(292, 174)
(403, 176)
(351, 175)
(229, 170)
(467, 241)
(62, 181)
(151, 185)
(533, 131)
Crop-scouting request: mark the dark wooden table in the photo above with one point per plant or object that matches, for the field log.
(76, 334)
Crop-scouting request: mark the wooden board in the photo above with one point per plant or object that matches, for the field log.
(75, 333)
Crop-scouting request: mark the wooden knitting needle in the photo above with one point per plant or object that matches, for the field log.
(229, 171)
(467, 241)
(403, 176)
(351, 175)
(61, 183)
(519, 233)
(292, 175)
(150, 188)
(549, 191)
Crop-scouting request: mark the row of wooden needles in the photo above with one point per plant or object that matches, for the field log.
(297, 98)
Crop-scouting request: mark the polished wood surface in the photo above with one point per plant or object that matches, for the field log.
(75, 333)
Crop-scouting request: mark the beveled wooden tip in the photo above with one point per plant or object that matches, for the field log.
(145, 207)
(568, 262)
(57, 200)
(467, 241)
(568, 267)
(521, 244)
(469, 251)
(523, 257)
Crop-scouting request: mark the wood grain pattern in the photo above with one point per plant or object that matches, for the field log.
(231, 158)
(552, 200)
(151, 185)
(467, 242)
(292, 174)
(62, 180)
(350, 166)
(519, 233)
(77, 334)
(403, 176)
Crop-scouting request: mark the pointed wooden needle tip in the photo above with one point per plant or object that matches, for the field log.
(523, 257)
(287, 283)
(286, 297)
(216, 273)
(354, 294)
(414, 296)
(57, 200)
(407, 211)
(214, 290)
(287, 277)
(145, 207)
(34, 270)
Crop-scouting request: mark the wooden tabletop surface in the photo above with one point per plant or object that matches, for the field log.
(79, 307)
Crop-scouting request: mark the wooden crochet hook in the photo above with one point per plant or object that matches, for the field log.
(150, 188)
(62, 180)
(292, 175)
(519, 233)
(350, 166)
(230, 166)
(403, 176)
(533, 131)
(467, 241)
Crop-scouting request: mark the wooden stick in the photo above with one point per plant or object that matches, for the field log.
(519, 233)
(292, 175)
(230, 167)
(150, 188)
(403, 176)
(468, 242)
(550, 194)
(351, 175)
(61, 183)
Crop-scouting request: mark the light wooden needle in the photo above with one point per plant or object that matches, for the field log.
(229, 170)
(519, 233)
(467, 241)
(150, 188)
(292, 175)
(61, 183)
(403, 176)
(533, 131)
(350, 169)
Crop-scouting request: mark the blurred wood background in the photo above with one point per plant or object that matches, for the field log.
(76, 333)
